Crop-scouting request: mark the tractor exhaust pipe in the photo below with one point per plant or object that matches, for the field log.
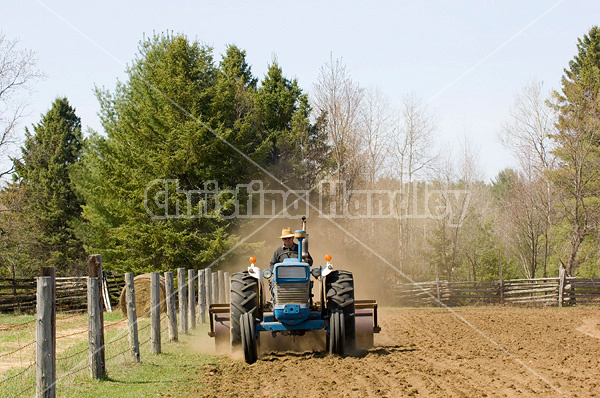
(305, 241)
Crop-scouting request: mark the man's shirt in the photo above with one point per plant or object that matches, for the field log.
(283, 252)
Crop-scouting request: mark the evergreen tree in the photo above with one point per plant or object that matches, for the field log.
(588, 54)
(299, 153)
(235, 88)
(578, 149)
(44, 174)
(178, 122)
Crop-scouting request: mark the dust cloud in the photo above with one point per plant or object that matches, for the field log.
(201, 342)
(325, 237)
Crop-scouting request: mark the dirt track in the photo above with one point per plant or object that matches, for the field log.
(432, 352)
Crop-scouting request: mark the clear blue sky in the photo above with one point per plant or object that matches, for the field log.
(467, 58)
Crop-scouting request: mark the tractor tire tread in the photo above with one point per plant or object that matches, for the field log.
(339, 292)
(244, 298)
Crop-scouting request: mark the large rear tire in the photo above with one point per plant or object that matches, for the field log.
(339, 292)
(244, 299)
(249, 345)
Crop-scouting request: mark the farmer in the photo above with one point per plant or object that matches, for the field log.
(288, 250)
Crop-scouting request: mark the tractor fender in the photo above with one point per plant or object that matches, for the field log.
(255, 272)
(326, 270)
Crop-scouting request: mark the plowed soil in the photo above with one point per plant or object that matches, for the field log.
(467, 352)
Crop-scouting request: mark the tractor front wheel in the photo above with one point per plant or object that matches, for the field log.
(244, 299)
(337, 333)
(339, 293)
(249, 345)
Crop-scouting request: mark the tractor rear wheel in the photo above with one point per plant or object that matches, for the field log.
(249, 345)
(339, 293)
(244, 299)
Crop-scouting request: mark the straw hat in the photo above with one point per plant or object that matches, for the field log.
(287, 233)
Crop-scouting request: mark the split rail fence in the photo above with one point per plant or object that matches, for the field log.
(539, 292)
(19, 295)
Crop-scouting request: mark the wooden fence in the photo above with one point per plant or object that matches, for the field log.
(71, 293)
(525, 292)
(46, 301)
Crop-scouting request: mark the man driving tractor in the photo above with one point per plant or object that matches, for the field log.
(288, 250)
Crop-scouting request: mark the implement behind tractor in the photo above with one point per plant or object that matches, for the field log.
(347, 322)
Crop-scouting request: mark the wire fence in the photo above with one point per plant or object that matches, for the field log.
(18, 350)
(73, 356)
(17, 354)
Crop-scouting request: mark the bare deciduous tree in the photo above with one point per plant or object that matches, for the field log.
(375, 133)
(527, 135)
(527, 132)
(339, 98)
(445, 232)
(414, 139)
(412, 146)
(472, 209)
(17, 71)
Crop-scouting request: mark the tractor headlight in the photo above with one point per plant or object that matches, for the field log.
(316, 272)
(267, 273)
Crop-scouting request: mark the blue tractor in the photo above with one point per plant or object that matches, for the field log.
(293, 310)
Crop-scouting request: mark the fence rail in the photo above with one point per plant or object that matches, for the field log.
(71, 293)
(528, 292)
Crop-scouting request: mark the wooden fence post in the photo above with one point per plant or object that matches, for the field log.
(181, 287)
(171, 310)
(95, 271)
(562, 276)
(570, 291)
(208, 286)
(46, 334)
(227, 287)
(97, 364)
(192, 298)
(51, 272)
(155, 313)
(201, 296)
(134, 343)
(437, 285)
(96, 311)
(215, 288)
(221, 286)
(500, 279)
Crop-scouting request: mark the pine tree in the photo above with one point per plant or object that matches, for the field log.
(588, 54)
(298, 153)
(179, 122)
(578, 147)
(44, 174)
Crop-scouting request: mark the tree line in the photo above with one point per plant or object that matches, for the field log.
(181, 115)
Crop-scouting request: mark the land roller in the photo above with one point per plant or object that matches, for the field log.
(336, 322)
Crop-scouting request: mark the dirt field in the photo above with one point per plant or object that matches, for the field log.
(471, 352)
